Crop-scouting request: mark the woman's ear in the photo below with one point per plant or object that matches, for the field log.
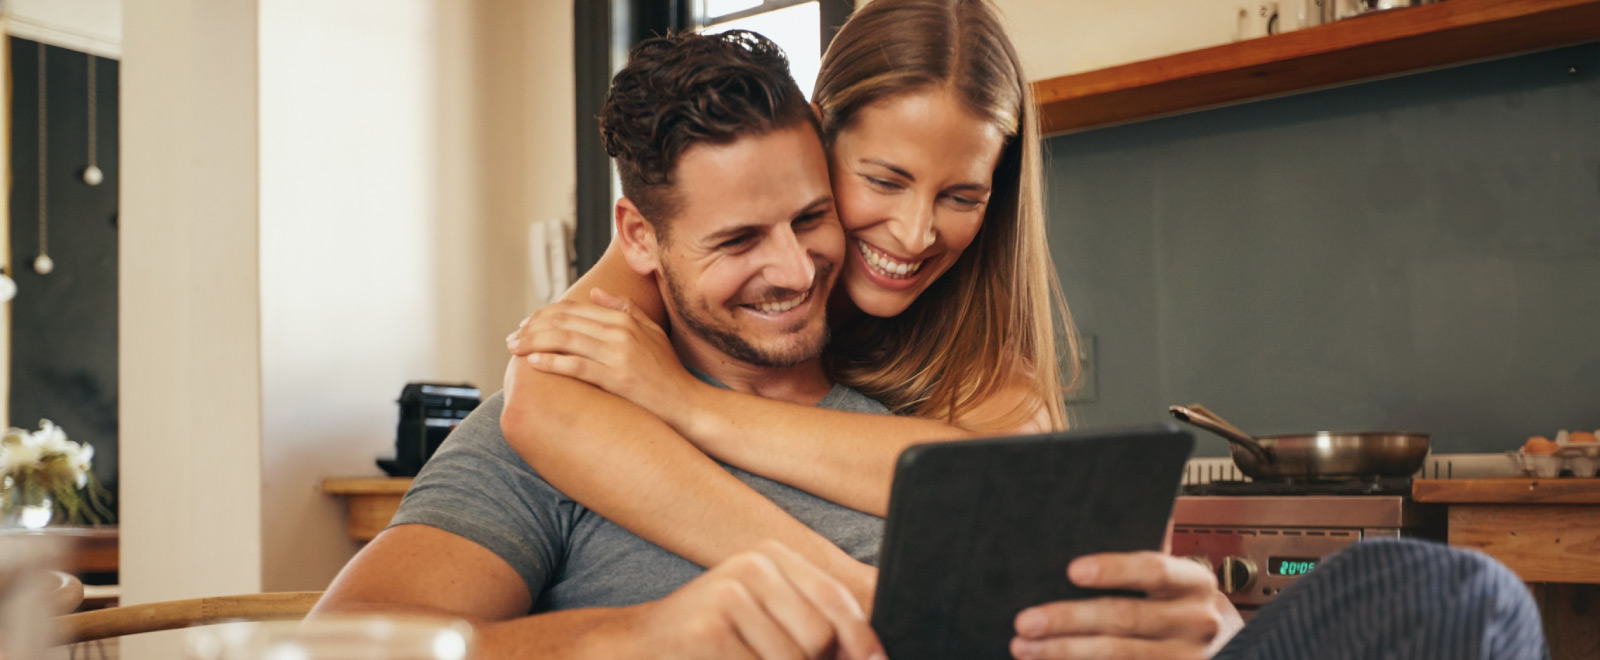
(638, 238)
(816, 110)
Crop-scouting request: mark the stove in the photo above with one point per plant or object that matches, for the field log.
(1298, 486)
(1259, 536)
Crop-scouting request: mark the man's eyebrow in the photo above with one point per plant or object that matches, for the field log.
(823, 200)
(730, 232)
(976, 187)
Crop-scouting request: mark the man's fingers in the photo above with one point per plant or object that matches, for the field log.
(1102, 648)
(808, 629)
(856, 640)
(1119, 617)
(766, 637)
(1161, 576)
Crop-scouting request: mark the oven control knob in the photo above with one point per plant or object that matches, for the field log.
(1236, 574)
(1201, 560)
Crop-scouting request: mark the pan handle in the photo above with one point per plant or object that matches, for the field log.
(1198, 415)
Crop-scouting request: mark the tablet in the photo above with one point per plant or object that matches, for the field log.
(979, 530)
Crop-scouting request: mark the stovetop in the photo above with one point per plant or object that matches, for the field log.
(1296, 486)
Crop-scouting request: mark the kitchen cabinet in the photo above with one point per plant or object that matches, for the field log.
(1378, 45)
(1545, 530)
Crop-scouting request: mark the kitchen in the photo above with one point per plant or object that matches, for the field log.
(1462, 316)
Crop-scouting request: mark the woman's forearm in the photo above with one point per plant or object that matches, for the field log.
(624, 463)
(845, 457)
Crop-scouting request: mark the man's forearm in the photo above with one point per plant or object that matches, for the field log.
(568, 634)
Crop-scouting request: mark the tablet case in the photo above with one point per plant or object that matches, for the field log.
(979, 530)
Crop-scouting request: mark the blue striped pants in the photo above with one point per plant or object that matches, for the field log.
(1400, 599)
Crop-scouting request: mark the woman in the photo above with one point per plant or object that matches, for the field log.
(943, 310)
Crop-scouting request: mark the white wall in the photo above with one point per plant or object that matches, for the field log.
(405, 148)
(349, 189)
(190, 403)
(1058, 37)
(348, 218)
(90, 26)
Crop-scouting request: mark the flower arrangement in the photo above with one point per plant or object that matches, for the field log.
(45, 475)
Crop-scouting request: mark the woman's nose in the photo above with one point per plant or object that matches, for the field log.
(913, 227)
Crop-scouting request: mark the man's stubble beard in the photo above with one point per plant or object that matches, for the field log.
(697, 321)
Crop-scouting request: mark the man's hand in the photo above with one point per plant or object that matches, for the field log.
(769, 604)
(1184, 617)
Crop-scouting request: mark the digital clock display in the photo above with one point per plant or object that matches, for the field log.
(1290, 566)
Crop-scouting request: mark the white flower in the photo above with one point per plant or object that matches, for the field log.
(21, 450)
(52, 439)
(79, 461)
(14, 457)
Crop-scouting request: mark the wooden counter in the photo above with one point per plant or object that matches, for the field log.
(1383, 44)
(1548, 532)
(372, 502)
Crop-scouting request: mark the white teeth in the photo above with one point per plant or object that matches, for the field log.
(782, 305)
(886, 266)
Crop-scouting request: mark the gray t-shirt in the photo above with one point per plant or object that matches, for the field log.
(479, 488)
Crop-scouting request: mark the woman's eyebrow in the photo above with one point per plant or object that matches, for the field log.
(976, 187)
(891, 167)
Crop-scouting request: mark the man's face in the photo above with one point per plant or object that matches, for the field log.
(752, 253)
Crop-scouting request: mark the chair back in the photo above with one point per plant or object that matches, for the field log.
(174, 614)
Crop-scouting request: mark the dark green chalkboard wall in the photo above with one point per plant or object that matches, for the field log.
(64, 324)
(1420, 253)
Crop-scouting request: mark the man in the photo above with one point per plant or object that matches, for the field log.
(729, 205)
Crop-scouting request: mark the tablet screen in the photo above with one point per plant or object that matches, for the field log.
(979, 530)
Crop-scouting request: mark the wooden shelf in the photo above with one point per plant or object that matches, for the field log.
(1507, 491)
(1400, 41)
(371, 501)
(366, 485)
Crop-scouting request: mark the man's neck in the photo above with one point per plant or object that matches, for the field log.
(804, 383)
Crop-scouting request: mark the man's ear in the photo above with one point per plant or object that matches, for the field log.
(638, 238)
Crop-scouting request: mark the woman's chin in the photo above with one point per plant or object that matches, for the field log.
(873, 300)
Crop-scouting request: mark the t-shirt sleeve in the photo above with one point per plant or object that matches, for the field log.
(478, 488)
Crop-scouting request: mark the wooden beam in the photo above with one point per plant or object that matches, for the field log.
(1400, 41)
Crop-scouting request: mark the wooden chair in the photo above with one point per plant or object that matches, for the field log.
(173, 614)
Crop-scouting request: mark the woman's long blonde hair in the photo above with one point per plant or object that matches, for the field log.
(995, 318)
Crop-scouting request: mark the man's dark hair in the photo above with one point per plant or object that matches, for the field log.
(685, 89)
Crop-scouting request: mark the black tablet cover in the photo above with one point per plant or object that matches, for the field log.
(979, 530)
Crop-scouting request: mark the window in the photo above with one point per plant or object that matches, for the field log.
(795, 25)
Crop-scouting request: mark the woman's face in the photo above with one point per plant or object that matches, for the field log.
(911, 177)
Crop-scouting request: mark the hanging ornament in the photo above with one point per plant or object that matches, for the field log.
(92, 174)
(8, 287)
(43, 264)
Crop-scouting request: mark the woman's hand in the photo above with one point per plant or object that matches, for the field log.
(609, 345)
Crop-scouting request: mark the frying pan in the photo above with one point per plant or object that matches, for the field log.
(1314, 455)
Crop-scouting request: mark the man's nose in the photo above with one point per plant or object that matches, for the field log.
(912, 226)
(789, 265)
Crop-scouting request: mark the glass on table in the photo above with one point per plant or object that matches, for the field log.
(27, 583)
(365, 637)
